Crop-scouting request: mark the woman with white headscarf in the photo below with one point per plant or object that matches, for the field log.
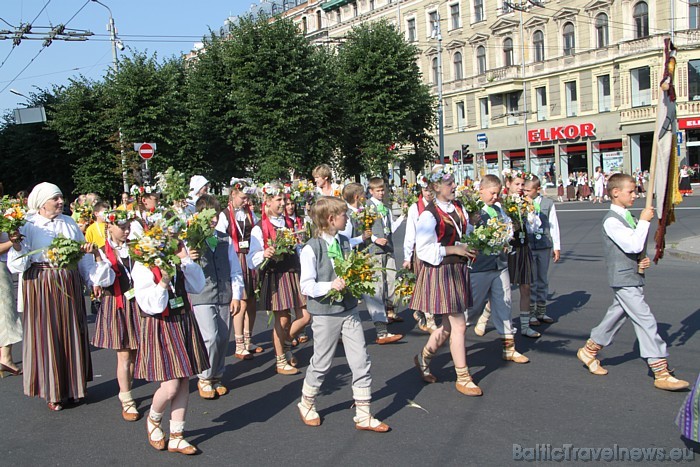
(56, 356)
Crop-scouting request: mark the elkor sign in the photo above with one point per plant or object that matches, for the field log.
(556, 133)
(689, 123)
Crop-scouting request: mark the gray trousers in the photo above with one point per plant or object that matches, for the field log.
(327, 329)
(383, 287)
(540, 268)
(214, 323)
(629, 303)
(493, 287)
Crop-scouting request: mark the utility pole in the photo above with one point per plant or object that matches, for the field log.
(441, 125)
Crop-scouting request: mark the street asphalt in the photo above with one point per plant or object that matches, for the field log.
(552, 400)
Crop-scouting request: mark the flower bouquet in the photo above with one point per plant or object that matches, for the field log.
(470, 199)
(155, 248)
(199, 229)
(64, 253)
(365, 216)
(284, 243)
(172, 185)
(490, 239)
(13, 215)
(303, 192)
(406, 197)
(356, 270)
(405, 284)
(85, 212)
(517, 207)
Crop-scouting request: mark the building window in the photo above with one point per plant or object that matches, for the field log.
(569, 36)
(371, 5)
(641, 86)
(319, 22)
(434, 64)
(604, 93)
(304, 27)
(694, 80)
(432, 22)
(484, 112)
(508, 52)
(694, 14)
(338, 17)
(641, 20)
(481, 59)
(513, 107)
(538, 42)
(457, 61)
(411, 30)
(541, 103)
(454, 15)
(461, 117)
(479, 10)
(354, 10)
(601, 30)
(571, 99)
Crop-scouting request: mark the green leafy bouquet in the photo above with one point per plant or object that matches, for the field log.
(405, 284)
(490, 239)
(64, 253)
(172, 185)
(357, 272)
(199, 229)
(284, 243)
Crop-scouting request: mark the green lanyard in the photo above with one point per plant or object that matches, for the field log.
(491, 211)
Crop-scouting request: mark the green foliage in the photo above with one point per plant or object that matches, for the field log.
(173, 186)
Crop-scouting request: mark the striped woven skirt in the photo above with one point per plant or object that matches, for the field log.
(170, 347)
(250, 278)
(417, 263)
(442, 289)
(56, 355)
(688, 419)
(520, 265)
(117, 328)
(281, 291)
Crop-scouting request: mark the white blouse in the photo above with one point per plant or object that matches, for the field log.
(428, 247)
(256, 254)
(151, 297)
(409, 239)
(104, 274)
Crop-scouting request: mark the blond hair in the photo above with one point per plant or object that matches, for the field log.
(325, 207)
(618, 181)
(352, 190)
(376, 182)
(323, 171)
(490, 180)
(533, 180)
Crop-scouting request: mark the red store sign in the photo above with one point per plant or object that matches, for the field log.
(689, 123)
(557, 133)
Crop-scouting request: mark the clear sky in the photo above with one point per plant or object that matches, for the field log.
(167, 27)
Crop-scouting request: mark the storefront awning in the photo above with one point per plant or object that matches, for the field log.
(491, 156)
(333, 4)
(543, 152)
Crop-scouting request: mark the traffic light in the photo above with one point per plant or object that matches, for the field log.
(465, 152)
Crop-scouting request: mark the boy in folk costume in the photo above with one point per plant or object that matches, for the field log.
(545, 244)
(220, 299)
(238, 220)
(624, 239)
(354, 196)
(426, 321)
(333, 319)
(279, 288)
(380, 306)
(490, 279)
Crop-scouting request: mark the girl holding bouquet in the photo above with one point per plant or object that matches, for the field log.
(171, 349)
(296, 223)
(273, 253)
(442, 286)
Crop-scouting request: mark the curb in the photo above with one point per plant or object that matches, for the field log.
(684, 255)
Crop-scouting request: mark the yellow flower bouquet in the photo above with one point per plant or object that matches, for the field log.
(155, 248)
(405, 285)
(285, 243)
(357, 272)
(13, 215)
(365, 216)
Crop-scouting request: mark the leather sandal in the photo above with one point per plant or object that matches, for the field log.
(54, 406)
(425, 373)
(130, 416)
(591, 362)
(188, 450)
(381, 428)
(308, 421)
(160, 444)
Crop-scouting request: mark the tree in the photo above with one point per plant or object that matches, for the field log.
(388, 106)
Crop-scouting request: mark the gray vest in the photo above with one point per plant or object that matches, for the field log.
(378, 231)
(545, 240)
(622, 267)
(217, 275)
(325, 273)
(485, 263)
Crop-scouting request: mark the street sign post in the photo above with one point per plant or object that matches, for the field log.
(146, 150)
(481, 137)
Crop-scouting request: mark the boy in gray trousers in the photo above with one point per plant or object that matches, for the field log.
(331, 318)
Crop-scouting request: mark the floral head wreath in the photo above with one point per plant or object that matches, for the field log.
(442, 173)
(271, 190)
(243, 185)
(422, 181)
(120, 216)
(142, 190)
(510, 174)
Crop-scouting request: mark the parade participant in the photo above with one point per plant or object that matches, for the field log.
(220, 299)
(279, 280)
(198, 186)
(171, 349)
(147, 204)
(380, 306)
(490, 279)
(56, 356)
(10, 323)
(442, 285)
(544, 244)
(238, 220)
(688, 419)
(598, 185)
(297, 332)
(96, 232)
(118, 319)
(332, 319)
(624, 239)
(354, 196)
(323, 178)
(684, 181)
(426, 322)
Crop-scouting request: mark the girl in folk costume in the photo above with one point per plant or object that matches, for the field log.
(426, 321)
(295, 223)
(238, 220)
(323, 177)
(118, 319)
(442, 286)
(279, 287)
(171, 349)
(147, 204)
(520, 260)
(684, 181)
(56, 357)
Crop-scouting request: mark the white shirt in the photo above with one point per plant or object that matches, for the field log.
(105, 275)
(428, 247)
(395, 223)
(151, 297)
(256, 253)
(239, 214)
(630, 240)
(409, 239)
(307, 279)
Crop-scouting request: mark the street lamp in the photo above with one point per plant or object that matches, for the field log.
(14, 91)
(116, 43)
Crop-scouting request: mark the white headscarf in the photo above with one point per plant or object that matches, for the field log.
(197, 182)
(41, 194)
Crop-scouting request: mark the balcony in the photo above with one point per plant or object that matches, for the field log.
(501, 80)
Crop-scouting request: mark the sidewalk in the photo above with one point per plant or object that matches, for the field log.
(687, 249)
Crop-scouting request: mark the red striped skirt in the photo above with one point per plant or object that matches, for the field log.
(250, 278)
(281, 291)
(170, 347)
(442, 289)
(117, 328)
(56, 354)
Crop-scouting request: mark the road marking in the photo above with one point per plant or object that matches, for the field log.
(606, 210)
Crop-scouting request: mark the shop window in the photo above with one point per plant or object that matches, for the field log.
(641, 86)
(411, 30)
(481, 59)
(479, 10)
(508, 52)
(694, 14)
(641, 20)
(604, 93)
(571, 99)
(541, 103)
(694, 80)
(461, 117)
(484, 112)
(457, 62)
(601, 30)
(538, 43)
(569, 36)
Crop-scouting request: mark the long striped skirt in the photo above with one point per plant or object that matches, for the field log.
(688, 419)
(520, 265)
(250, 278)
(56, 356)
(117, 328)
(170, 347)
(281, 291)
(417, 263)
(442, 290)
